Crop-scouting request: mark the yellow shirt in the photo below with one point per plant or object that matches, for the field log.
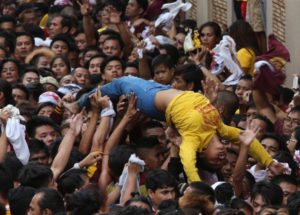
(197, 121)
(246, 58)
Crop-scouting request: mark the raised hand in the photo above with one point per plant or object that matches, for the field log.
(4, 116)
(102, 101)
(246, 137)
(114, 15)
(76, 122)
(85, 7)
(132, 112)
(91, 158)
(122, 105)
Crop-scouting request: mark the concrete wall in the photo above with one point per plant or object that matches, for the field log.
(292, 26)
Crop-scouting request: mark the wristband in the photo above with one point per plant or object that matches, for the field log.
(76, 166)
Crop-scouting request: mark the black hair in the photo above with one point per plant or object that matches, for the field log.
(100, 55)
(35, 90)
(37, 121)
(13, 61)
(284, 178)
(224, 193)
(269, 124)
(33, 29)
(279, 139)
(143, 4)
(116, 38)
(132, 64)
(270, 192)
(189, 23)
(163, 59)
(13, 165)
(109, 59)
(146, 143)
(246, 77)
(19, 199)
(70, 181)
(297, 137)
(286, 94)
(8, 19)
(293, 203)
(23, 88)
(9, 40)
(118, 157)
(37, 146)
(172, 51)
(66, 38)
(30, 68)
(64, 59)
(130, 210)
(44, 104)
(52, 200)
(35, 175)
(66, 21)
(85, 201)
(159, 178)
(286, 157)
(27, 34)
(151, 124)
(167, 206)
(6, 89)
(142, 199)
(191, 73)
(295, 109)
(203, 189)
(6, 182)
(240, 204)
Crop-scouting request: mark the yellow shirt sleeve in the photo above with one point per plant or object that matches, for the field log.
(256, 150)
(246, 58)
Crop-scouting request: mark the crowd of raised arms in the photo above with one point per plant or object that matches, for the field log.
(129, 107)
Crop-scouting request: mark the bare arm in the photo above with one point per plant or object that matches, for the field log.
(87, 22)
(61, 159)
(3, 146)
(264, 107)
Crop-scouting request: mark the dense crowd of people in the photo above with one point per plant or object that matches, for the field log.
(128, 107)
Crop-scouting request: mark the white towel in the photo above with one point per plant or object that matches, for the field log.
(123, 179)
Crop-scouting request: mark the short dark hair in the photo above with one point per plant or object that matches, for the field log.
(158, 179)
(143, 4)
(163, 59)
(6, 182)
(6, 89)
(30, 68)
(85, 201)
(109, 59)
(295, 109)
(36, 146)
(293, 203)
(203, 189)
(52, 200)
(269, 124)
(116, 38)
(37, 121)
(247, 77)
(66, 38)
(131, 210)
(20, 34)
(35, 175)
(270, 192)
(118, 157)
(23, 88)
(70, 181)
(151, 124)
(190, 73)
(19, 199)
(279, 139)
(224, 193)
(284, 178)
(172, 51)
(8, 19)
(13, 61)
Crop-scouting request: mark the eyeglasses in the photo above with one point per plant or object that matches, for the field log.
(295, 122)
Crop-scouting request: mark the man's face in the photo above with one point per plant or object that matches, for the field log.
(30, 77)
(112, 70)
(55, 27)
(40, 158)
(23, 46)
(271, 146)
(7, 26)
(215, 153)
(112, 48)
(30, 18)
(133, 9)
(9, 10)
(18, 95)
(258, 203)
(242, 87)
(161, 194)
(153, 157)
(290, 123)
(158, 133)
(46, 133)
(287, 189)
(179, 84)
(34, 208)
(163, 74)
